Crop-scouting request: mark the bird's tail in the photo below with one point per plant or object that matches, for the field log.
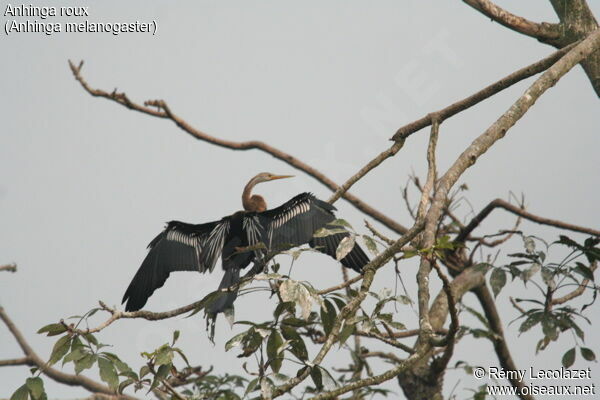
(225, 300)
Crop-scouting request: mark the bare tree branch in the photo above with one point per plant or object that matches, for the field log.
(380, 235)
(160, 109)
(499, 203)
(366, 169)
(342, 285)
(17, 362)
(544, 32)
(9, 267)
(499, 341)
(380, 354)
(576, 22)
(481, 95)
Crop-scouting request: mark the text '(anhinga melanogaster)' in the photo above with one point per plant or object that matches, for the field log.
(186, 247)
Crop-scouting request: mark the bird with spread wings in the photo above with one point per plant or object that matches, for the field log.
(188, 247)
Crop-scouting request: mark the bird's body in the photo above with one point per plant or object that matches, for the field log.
(187, 247)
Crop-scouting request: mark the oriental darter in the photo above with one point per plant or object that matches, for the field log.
(187, 247)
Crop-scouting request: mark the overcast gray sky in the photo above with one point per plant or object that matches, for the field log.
(85, 184)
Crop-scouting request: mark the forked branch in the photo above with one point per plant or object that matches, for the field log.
(544, 32)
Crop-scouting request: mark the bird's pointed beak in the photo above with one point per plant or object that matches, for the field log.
(280, 177)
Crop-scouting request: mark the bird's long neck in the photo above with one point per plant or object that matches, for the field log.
(252, 202)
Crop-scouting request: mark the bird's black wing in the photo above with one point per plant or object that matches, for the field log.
(179, 247)
(295, 222)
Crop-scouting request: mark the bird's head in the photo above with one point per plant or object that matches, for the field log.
(267, 176)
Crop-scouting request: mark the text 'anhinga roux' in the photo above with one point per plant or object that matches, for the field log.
(186, 247)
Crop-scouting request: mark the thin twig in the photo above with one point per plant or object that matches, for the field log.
(386, 340)
(341, 285)
(577, 292)
(378, 234)
(380, 354)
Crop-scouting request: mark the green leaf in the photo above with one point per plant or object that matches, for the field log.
(291, 290)
(91, 339)
(161, 373)
(568, 242)
(145, 370)
(345, 333)
(482, 267)
(235, 341)
(293, 321)
(478, 315)
(584, 271)
(548, 277)
(22, 393)
(288, 306)
(251, 386)
(164, 355)
(297, 346)
(445, 243)
(531, 321)
(568, 358)
(251, 342)
(328, 315)
(85, 362)
(588, 354)
(529, 273)
(52, 329)
(345, 247)
(61, 347)
(549, 326)
(120, 365)
(529, 244)
(371, 244)
(273, 343)
(108, 373)
(340, 222)
(410, 254)
(338, 302)
(125, 383)
(35, 386)
(317, 378)
(266, 388)
(497, 280)
(175, 337)
(323, 232)
(182, 355)
(75, 355)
